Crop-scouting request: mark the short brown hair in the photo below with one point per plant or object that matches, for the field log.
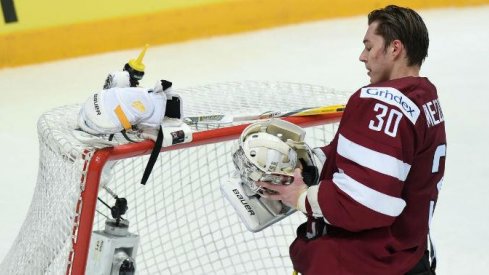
(404, 24)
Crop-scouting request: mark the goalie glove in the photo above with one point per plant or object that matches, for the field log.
(255, 211)
(116, 109)
(117, 80)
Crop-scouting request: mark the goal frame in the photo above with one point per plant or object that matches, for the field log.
(94, 164)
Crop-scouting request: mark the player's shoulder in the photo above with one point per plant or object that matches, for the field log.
(406, 94)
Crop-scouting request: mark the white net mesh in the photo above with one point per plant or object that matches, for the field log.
(185, 225)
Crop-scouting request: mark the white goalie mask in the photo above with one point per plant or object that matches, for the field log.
(267, 152)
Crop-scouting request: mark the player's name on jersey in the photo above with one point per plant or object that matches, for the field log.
(393, 97)
(433, 112)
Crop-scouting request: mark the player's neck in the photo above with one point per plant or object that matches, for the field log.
(404, 71)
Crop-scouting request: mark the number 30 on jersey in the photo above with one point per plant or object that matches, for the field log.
(387, 120)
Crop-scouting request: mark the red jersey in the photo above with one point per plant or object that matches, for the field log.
(379, 184)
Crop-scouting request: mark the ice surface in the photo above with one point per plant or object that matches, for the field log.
(323, 52)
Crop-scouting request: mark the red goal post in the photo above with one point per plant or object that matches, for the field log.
(184, 224)
(100, 158)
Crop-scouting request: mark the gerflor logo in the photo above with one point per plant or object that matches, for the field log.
(393, 97)
(243, 202)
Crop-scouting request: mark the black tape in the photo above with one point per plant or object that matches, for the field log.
(8, 9)
(153, 157)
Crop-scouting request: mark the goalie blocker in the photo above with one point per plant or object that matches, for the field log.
(268, 151)
(151, 114)
(120, 108)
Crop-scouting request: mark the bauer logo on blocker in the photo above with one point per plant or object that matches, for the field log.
(393, 97)
(244, 202)
(96, 104)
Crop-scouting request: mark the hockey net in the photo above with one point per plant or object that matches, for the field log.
(184, 223)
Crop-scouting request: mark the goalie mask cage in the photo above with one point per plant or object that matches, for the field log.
(184, 223)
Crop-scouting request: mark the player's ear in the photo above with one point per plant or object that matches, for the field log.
(396, 48)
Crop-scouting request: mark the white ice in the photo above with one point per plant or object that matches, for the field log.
(323, 52)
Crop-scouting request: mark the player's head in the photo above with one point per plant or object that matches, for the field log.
(265, 152)
(395, 35)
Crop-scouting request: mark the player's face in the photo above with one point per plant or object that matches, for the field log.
(377, 61)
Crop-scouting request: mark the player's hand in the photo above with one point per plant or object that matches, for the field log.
(288, 194)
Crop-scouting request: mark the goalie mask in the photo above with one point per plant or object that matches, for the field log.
(270, 151)
(267, 151)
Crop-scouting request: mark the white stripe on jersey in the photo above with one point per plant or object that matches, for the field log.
(371, 159)
(368, 197)
(439, 184)
(312, 198)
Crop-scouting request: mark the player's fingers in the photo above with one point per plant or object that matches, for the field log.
(274, 197)
(263, 184)
(298, 179)
(269, 186)
(298, 173)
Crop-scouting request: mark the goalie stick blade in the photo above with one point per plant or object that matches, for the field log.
(320, 110)
(227, 119)
(208, 119)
